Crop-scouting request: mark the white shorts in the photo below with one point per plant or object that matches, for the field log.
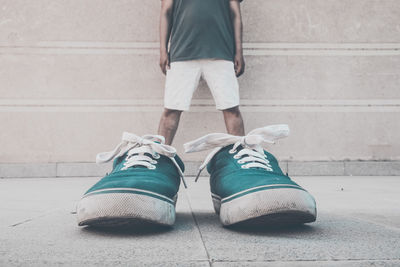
(183, 79)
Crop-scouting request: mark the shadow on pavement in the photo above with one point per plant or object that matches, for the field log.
(206, 221)
(272, 230)
(184, 222)
(211, 220)
(132, 229)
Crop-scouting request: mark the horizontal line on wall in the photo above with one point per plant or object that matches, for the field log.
(294, 168)
(323, 52)
(151, 48)
(198, 105)
(250, 45)
(325, 46)
(55, 102)
(155, 105)
(198, 108)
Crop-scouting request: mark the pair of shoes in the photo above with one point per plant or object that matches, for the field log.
(247, 184)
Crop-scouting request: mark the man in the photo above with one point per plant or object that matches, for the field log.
(246, 182)
(206, 40)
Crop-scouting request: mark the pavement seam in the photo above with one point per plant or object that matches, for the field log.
(302, 260)
(365, 220)
(198, 229)
(34, 218)
(388, 227)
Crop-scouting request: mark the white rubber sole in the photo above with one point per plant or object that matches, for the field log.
(270, 207)
(114, 209)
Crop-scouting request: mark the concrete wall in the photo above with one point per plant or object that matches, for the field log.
(75, 74)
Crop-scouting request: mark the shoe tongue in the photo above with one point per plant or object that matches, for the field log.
(225, 149)
(240, 147)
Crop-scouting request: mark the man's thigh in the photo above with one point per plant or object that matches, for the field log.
(181, 81)
(221, 79)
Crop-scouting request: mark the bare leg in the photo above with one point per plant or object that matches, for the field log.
(168, 124)
(233, 121)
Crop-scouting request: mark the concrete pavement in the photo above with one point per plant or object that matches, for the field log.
(358, 224)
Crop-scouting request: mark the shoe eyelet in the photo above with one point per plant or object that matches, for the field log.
(154, 162)
(156, 156)
(232, 151)
(244, 167)
(152, 167)
(240, 161)
(236, 156)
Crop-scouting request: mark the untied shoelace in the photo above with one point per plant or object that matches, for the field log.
(137, 147)
(253, 145)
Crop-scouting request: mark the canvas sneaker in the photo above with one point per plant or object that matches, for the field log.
(247, 184)
(142, 186)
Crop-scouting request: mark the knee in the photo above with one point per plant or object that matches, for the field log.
(171, 113)
(234, 111)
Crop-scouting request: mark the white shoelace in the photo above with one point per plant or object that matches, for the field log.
(137, 147)
(251, 156)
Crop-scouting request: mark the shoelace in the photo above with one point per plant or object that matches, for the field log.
(137, 147)
(251, 156)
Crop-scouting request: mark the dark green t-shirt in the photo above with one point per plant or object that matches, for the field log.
(201, 29)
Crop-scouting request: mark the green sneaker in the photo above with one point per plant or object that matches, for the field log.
(247, 184)
(142, 187)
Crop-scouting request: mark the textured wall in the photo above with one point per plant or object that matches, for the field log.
(75, 74)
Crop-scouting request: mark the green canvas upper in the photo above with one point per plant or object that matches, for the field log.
(201, 29)
(228, 177)
(163, 180)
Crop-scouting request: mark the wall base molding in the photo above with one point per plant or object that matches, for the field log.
(294, 168)
(152, 48)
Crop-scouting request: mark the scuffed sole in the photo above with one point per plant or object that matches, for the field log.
(119, 209)
(283, 206)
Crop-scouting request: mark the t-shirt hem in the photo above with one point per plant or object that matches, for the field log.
(199, 57)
